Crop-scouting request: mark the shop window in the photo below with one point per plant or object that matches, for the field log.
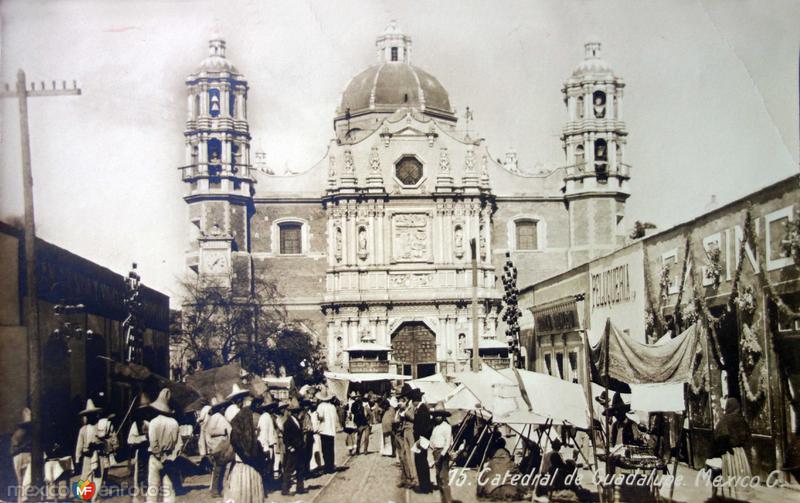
(527, 235)
(573, 366)
(560, 364)
(291, 238)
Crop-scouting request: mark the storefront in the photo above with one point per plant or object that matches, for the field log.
(735, 272)
(559, 319)
(729, 270)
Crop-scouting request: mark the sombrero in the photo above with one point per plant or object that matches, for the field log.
(90, 408)
(294, 404)
(323, 396)
(217, 404)
(162, 402)
(439, 410)
(236, 392)
(26, 417)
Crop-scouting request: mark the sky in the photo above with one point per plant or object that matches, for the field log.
(711, 102)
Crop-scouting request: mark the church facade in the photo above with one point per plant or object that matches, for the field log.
(372, 244)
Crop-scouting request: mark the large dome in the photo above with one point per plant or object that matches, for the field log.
(392, 85)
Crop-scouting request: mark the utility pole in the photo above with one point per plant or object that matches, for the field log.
(31, 311)
(476, 359)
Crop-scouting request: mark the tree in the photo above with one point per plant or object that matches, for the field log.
(640, 229)
(221, 324)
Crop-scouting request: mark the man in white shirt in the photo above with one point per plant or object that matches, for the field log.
(267, 435)
(328, 418)
(165, 446)
(217, 439)
(440, 443)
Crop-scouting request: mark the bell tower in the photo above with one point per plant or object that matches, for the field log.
(217, 169)
(596, 183)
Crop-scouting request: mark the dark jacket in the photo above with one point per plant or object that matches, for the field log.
(293, 433)
(731, 431)
(359, 414)
(423, 424)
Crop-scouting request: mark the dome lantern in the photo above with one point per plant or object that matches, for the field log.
(393, 45)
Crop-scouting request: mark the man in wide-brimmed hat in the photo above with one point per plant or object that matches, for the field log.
(267, 437)
(405, 438)
(441, 441)
(423, 426)
(137, 441)
(89, 448)
(217, 439)
(328, 419)
(293, 447)
(163, 433)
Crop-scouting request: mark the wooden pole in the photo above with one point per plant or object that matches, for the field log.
(476, 359)
(607, 336)
(587, 355)
(31, 305)
(31, 308)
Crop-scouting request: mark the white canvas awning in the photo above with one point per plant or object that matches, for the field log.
(366, 376)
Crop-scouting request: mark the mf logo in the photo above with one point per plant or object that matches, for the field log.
(83, 489)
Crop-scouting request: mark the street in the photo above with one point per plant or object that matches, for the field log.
(373, 478)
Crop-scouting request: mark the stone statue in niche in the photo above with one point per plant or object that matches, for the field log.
(362, 243)
(214, 158)
(599, 105)
(338, 244)
(444, 160)
(348, 162)
(462, 344)
(458, 241)
(482, 241)
(485, 167)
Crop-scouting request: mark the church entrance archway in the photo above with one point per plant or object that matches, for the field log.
(414, 349)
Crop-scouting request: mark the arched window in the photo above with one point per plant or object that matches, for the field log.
(291, 241)
(579, 108)
(527, 235)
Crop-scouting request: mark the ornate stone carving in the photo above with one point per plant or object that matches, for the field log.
(349, 166)
(410, 280)
(411, 237)
(332, 167)
(469, 161)
(444, 161)
(374, 160)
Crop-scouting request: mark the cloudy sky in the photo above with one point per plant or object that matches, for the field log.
(711, 103)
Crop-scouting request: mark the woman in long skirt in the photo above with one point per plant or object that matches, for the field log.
(731, 438)
(245, 484)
